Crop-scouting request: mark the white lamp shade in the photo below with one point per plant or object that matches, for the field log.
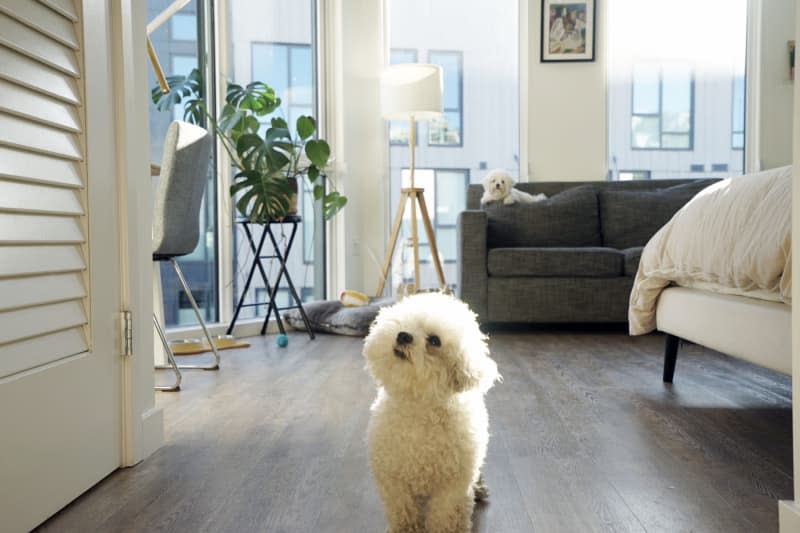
(411, 89)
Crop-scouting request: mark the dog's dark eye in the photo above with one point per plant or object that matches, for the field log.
(433, 340)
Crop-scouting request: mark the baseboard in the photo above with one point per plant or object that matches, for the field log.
(152, 431)
(788, 516)
(244, 328)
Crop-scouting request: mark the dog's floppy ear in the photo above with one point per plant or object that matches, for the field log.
(479, 371)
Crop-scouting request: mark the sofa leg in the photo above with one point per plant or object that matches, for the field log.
(670, 356)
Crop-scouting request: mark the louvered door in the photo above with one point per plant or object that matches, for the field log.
(59, 267)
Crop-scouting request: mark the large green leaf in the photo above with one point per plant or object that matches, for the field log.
(268, 154)
(318, 152)
(332, 203)
(261, 197)
(236, 122)
(257, 97)
(186, 90)
(306, 127)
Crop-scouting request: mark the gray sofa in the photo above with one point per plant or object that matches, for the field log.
(570, 258)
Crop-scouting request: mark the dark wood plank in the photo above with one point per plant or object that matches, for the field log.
(585, 437)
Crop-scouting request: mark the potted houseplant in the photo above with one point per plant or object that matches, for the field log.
(269, 157)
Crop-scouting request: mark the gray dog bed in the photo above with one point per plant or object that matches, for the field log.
(330, 316)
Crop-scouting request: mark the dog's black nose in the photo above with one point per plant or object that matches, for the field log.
(404, 338)
(497, 186)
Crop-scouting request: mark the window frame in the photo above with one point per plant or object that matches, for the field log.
(660, 114)
(648, 173)
(389, 124)
(733, 111)
(460, 55)
(287, 105)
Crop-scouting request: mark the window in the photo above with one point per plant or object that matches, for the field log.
(632, 175)
(663, 114)
(280, 51)
(179, 44)
(481, 87)
(183, 27)
(288, 69)
(398, 129)
(447, 130)
(676, 102)
(737, 120)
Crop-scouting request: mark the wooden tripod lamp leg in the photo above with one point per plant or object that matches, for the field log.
(398, 219)
(415, 239)
(431, 240)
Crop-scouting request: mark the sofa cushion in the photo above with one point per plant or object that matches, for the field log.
(630, 218)
(631, 259)
(555, 262)
(569, 218)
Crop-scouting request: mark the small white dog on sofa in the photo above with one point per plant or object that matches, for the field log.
(498, 185)
(429, 427)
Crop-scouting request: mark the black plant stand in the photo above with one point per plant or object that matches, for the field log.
(272, 290)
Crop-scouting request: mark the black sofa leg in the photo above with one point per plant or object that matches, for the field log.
(670, 356)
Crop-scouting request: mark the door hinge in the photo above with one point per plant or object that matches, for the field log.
(126, 339)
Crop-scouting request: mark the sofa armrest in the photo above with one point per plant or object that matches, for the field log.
(472, 275)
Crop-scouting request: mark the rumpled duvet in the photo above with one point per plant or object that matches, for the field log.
(733, 237)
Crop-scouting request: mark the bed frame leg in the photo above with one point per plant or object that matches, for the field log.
(670, 356)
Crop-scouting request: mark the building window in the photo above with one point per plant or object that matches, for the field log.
(398, 129)
(663, 100)
(288, 69)
(737, 120)
(445, 197)
(634, 175)
(448, 130)
(282, 54)
(183, 27)
(282, 299)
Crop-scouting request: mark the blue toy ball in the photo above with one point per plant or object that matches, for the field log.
(282, 340)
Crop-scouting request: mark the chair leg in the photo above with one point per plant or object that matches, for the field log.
(670, 356)
(215, 365)
(170, 357)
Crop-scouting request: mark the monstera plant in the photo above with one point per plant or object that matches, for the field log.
(268, 155)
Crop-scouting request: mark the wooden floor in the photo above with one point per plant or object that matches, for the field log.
(585, 437)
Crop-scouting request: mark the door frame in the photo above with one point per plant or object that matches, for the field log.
(142, 422)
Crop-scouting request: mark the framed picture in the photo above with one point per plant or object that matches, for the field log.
(567, 30)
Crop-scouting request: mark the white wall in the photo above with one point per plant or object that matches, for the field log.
(777, 27)
(567, 110)
(789, 510)
(363, 145)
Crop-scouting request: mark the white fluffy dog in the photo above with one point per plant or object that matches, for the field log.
(429, 427)
(498, 185)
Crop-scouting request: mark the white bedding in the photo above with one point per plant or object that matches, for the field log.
(734, 237)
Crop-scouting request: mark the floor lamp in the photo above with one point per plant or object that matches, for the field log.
(411, 91)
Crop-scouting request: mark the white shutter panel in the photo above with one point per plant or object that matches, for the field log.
(43, 267)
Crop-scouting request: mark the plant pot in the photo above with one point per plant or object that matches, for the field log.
(293, 198)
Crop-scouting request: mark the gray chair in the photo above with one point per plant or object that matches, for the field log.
(176, 230)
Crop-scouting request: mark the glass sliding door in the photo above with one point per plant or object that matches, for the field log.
(479, 127)
(676, 102)
(272, 41)
(180, 44)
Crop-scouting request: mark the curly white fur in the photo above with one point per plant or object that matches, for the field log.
(429, 427)
(498, 186)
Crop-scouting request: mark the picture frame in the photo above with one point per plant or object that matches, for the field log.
(568, 31)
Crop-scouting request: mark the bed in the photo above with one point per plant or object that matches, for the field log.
(719, 273)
